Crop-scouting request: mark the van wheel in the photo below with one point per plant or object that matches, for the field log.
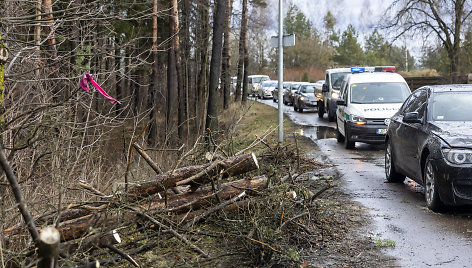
(349, 144)
(339, 136)
(320, 109)
(300, 110)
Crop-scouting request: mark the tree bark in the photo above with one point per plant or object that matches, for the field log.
(215, 67)
(76, 228)
(246, 53)
(171, 71)
(180, 81)
(200, 111)
(232, 167)
(152, 132)
(227, 56)
(242, 52)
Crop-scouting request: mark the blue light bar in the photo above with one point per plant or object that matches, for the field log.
(357, 69)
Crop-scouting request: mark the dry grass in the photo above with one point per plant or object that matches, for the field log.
(420, 73)
(298, 74)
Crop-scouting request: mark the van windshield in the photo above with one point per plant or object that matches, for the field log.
(259, 79)
(337, 80)
(381, 92)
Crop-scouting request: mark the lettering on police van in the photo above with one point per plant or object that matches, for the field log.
(380, 109)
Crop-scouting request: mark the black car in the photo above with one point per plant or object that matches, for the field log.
(430, 140)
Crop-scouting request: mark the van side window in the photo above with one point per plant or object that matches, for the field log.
(345, 92)
(327, 80)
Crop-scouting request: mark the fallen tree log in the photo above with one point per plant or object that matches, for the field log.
(177, 203)
(76, 228)
(229, 167)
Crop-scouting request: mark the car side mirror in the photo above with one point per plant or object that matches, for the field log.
(325, 88)
(411, 118)
(341, 102)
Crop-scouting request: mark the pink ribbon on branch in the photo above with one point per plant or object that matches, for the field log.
(84, 85)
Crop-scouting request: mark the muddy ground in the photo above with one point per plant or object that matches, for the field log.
(305, 220)
(348, 241)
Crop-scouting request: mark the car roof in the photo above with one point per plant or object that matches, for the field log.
(258, 75)
(339, 70)
(374, 77)
(451, 87)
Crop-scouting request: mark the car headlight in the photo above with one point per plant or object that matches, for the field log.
(293, 94)
(357, 119)
(302, 98)
(335, 95)
(458, 156)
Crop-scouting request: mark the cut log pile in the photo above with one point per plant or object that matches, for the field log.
(200, 192)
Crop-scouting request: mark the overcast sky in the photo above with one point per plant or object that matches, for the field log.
(364, 15)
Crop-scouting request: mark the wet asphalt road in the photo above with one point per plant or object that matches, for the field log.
(422, 238)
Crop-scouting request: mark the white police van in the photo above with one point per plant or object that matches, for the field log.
(369, 96)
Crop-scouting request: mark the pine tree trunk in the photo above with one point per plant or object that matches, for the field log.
(245, 53)
(215, 66)
(180, 81)
(171, 73)
(227, 56)
(202, 78)
(152, 134)
(241, 66)
(187, 74)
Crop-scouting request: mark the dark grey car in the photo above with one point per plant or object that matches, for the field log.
(305, 98)
(430, 140)
(289, 94)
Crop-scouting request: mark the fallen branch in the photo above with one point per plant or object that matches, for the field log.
(214, 209)
(172, 231)
(234, 166)
(19, 197)
(147, 158)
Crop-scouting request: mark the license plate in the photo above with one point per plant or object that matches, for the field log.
(382, 131)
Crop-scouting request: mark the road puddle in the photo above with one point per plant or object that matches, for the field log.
(318, 133)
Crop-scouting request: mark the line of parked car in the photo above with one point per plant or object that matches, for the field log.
(427, 133)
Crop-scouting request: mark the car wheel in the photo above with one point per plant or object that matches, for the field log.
(300, 110)
(259, 96)
(285, 102)
(339, 136)
(431, 194)
(274, 100)
(295, 107)
(390, 172)
(320, 109)
(347, 138)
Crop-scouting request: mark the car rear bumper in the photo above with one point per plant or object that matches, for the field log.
(454, 182)
(366, 133)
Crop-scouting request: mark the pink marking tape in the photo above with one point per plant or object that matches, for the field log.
(84, 85)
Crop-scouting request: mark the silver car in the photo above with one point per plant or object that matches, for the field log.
(266, 88)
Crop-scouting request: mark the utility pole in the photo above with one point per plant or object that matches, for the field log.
(281, 75)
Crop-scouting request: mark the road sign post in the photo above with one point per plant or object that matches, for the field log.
(280, 41)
